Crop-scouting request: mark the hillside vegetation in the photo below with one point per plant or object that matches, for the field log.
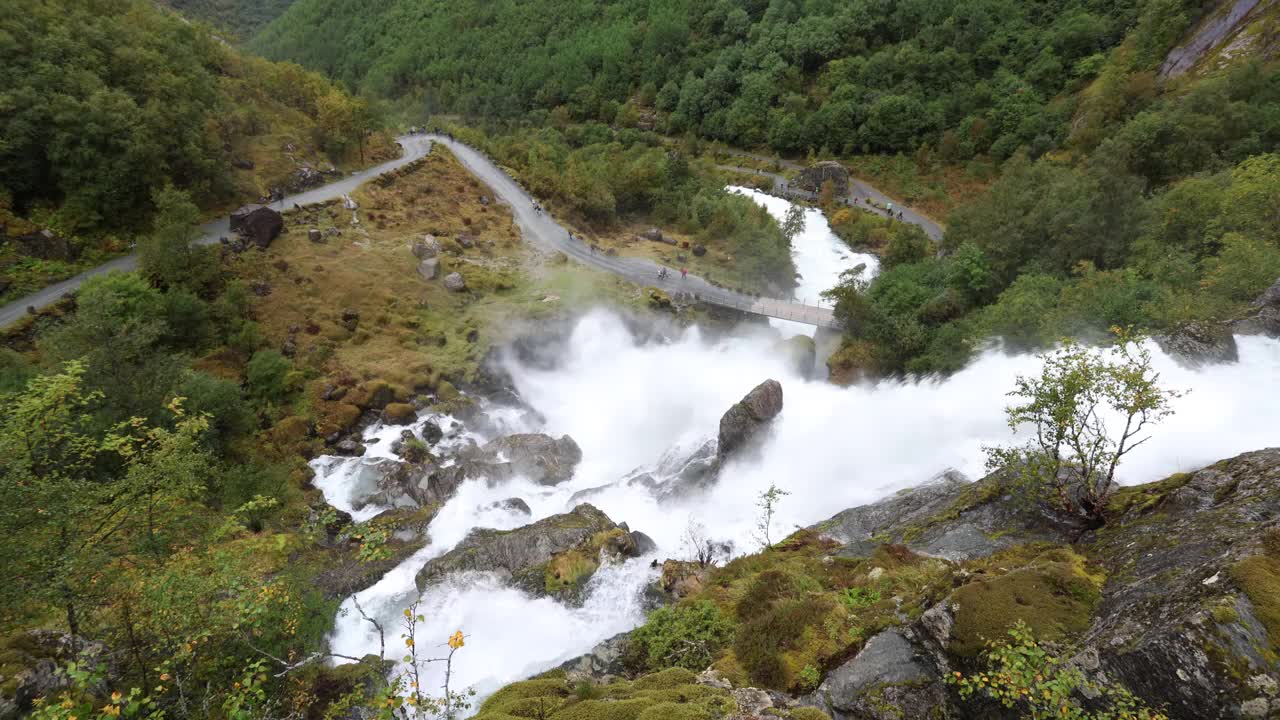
(108, 102)
(242, 18)
(975, 77)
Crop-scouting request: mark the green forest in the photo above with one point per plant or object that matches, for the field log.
(1120, 198)
(241, 18)
(978, 77)
(156, 494)
(108, 102)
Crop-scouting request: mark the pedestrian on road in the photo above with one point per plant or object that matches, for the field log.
(684, 273)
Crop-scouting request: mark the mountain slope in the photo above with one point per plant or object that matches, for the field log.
(243, 18)
(862, 75)
(109, 101)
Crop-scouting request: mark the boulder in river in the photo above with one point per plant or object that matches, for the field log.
(553, 556)
(1200, 343)
(541, 458)
(745, 421)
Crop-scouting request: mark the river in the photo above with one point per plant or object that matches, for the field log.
(630, 404)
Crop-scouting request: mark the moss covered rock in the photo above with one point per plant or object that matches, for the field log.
(399, 414)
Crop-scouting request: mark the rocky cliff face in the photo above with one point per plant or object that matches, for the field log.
(864, 615)
(1174, 598)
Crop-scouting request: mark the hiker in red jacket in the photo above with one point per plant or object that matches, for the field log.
(684, 273)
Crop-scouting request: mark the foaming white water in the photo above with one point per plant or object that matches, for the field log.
(831, 448)
(820, 256)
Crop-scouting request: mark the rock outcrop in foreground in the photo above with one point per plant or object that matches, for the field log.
(866, 615)
(554, 556)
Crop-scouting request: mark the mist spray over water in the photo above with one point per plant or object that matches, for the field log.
(629, 404)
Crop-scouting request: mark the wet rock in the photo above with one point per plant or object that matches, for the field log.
(349, 448)
(289, 348)
(431, 432)
(801, 354)
(515, 505)
(242, 164)
(643, 543)
(315, 236)
(603, 662)
(521, 554)
(257, 223)
(1265, 317)
(1200, 343)
(454, 282)
(541, 458)
(744, 422)
(699, 250)
(887, 680)
(947, 517)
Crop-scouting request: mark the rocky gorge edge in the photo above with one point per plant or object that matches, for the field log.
(1176, 598)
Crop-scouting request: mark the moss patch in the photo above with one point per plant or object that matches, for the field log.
(1054, 594)
(1259, 578)
(1140, 499)
(668, 695)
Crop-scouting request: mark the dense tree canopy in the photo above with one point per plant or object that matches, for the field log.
(861, 75)
(106, 102)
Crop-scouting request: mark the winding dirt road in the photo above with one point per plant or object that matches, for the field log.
(415, 146)
(537, 227)
(545, 232)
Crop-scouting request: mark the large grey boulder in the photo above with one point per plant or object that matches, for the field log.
(946, 517)
(603, 662)
(745, 421)
(812, 178)
(541, 458)
(257, 223)
(521, 554)
(890, 678)
(1200, 343)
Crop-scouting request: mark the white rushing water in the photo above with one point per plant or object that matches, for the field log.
(819, 255)
(629, 404)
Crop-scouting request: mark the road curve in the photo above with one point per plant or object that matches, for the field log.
(546, 233)
(858, 191)
(415, 146)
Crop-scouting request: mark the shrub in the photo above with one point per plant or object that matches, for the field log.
(269, 376)
(687, 636)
